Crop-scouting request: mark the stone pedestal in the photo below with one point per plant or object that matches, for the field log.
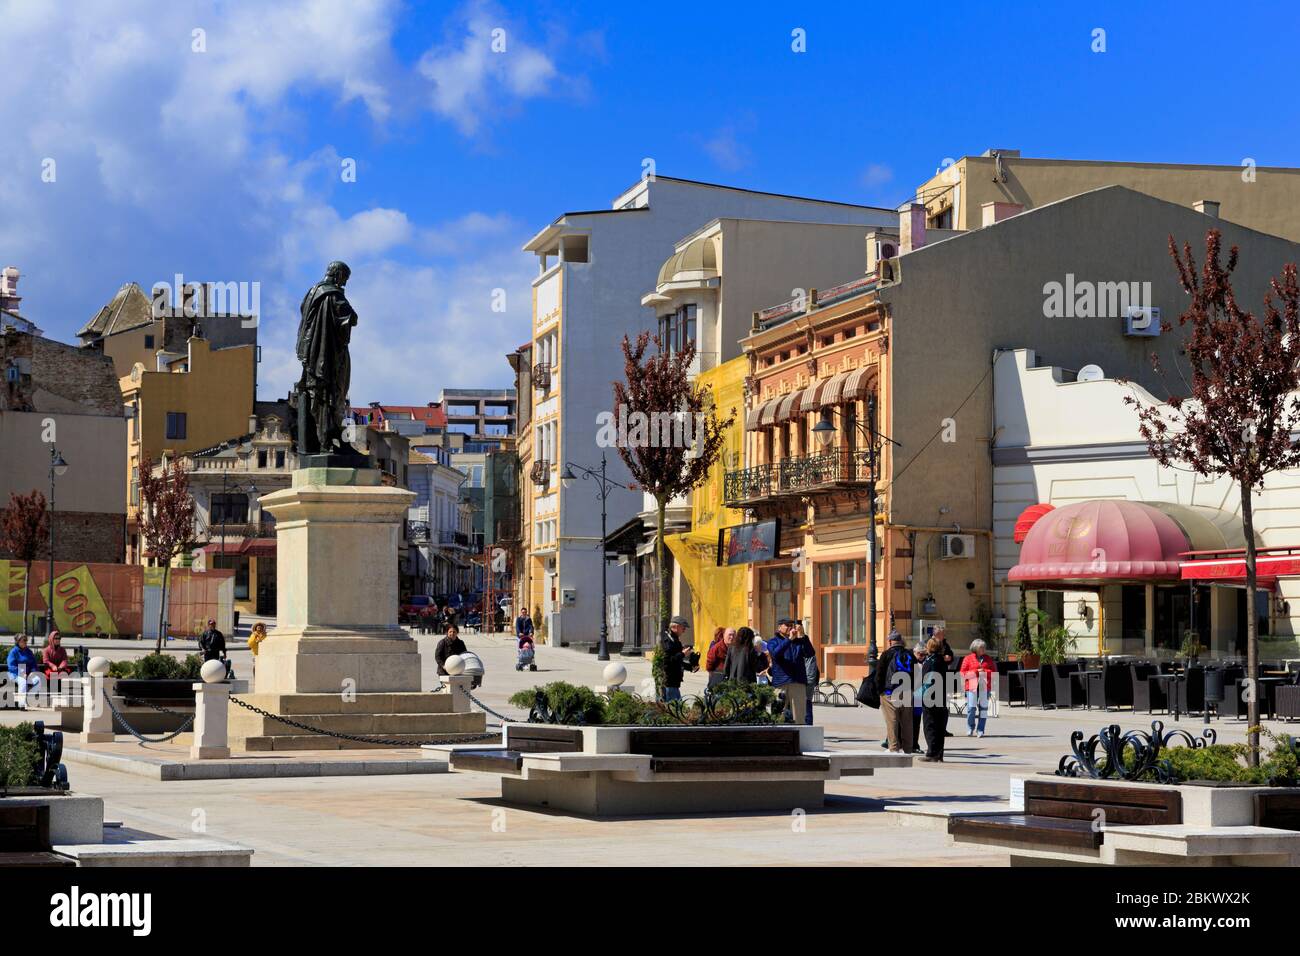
(337, 660)
(97, 721)
(337, 533)
(211, 716)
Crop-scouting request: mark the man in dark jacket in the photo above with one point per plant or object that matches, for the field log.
(677, 657)
(789, 651)
(523, 627)
(894, 673)
(212, 643)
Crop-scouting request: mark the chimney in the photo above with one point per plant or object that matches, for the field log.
(911, 227)
(992, 212)
(1209, 207)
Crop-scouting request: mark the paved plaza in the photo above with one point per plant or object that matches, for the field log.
(457, 818)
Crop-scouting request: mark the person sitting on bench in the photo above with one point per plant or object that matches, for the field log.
(54, 659)
(23, 670)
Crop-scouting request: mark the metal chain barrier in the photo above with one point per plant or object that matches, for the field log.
(117, 714)
(484, 707)
(458, 739)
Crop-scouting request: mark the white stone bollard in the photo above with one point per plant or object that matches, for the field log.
(458, 686)
(211, 714)
(615, 675)
(97, 719)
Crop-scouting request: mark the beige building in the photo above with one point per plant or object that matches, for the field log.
(1260, 197)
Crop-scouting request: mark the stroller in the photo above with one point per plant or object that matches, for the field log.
(526, 655)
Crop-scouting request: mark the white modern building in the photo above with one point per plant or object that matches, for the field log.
(594, 268)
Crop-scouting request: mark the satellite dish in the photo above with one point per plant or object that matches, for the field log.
(1091, 373)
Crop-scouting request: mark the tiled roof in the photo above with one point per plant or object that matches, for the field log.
(130, 308)
(432, 415)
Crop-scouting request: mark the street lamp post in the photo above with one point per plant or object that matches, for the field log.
(604, 485)
(58, 468)
(824, 431)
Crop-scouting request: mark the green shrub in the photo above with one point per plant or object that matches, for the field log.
(624, 708)
(1228, 763)
(20, 756)
(157, 667)
(568, 703)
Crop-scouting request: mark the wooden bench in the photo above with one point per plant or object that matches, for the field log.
(25, 838)
(1069, 816)
(524, 738)
(614, 771)
(1278, 810)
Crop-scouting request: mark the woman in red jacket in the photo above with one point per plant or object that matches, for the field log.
(978, 672)
(715, 661)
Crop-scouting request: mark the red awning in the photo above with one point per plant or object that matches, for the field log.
(1027, 519)
(257, 547)
(1099, 541)
(1230, 566)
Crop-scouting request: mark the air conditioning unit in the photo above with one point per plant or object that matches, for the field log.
(956, 546)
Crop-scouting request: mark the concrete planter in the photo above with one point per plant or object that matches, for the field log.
(1205, 803)
(74, 817)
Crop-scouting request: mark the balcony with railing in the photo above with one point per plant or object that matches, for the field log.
(540, 474)
(507, 531)
(802, 475)
(542, 376)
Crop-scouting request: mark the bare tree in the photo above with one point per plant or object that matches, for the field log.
(1242, 410)
(658, 395)
(24, 527)
(166, 522)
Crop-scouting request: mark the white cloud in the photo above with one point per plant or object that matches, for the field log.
(468, 74)
(876, 174)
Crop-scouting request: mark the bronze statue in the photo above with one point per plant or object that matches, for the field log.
(321, 395)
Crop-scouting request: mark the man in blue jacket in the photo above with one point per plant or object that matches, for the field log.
(790, 650)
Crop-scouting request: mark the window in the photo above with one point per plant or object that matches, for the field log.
(279, 458)
(228, 509)
(261, 458)
(176, 425)
(240, 565)
(841, 596)
(148, 341)
(778, 597)
(678, 328)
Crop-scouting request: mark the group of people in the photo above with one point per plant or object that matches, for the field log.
(30, 674)
(913, 689)
(787, 661)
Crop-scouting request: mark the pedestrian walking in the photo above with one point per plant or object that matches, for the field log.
(212, 643)
(978, 672)
(894, 672)
(449, 645)
(677, 658)
(934, 698)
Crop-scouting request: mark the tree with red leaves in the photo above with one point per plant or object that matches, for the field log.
(24, 527)
(658, 395)
(166, 522)
(1242, 409)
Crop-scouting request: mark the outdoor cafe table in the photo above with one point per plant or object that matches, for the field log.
(1019, 672)
(1085, 678)
(1171, 689)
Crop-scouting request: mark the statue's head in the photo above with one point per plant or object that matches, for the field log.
(337, 272)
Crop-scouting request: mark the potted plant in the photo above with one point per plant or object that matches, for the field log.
(1054, 644)
(1028, 618)
(1191, 648)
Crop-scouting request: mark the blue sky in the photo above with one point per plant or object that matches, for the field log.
(224, 164)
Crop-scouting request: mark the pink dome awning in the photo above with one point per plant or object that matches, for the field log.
(1105, 540)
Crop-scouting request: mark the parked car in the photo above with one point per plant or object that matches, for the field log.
(411, 608)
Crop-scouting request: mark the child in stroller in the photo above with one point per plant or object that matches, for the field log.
(526, 654)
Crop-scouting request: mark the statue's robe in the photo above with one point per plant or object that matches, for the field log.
(323, 338)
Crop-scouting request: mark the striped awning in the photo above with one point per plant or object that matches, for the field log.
(859, 383)
(811, 400)
(832, 393)
(789, 407)
(760, 415)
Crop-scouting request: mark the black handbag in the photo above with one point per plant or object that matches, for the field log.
(868, 694)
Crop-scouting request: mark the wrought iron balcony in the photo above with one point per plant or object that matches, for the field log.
(542, 376)
(417, 532)
(541, 472)
(796, 476)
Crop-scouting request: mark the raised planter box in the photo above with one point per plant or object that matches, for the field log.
(627, 771)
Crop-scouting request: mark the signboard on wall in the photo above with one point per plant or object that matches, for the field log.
(747, 543)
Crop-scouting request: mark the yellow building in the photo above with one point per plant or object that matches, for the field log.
(194, 401)
(718, 594)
